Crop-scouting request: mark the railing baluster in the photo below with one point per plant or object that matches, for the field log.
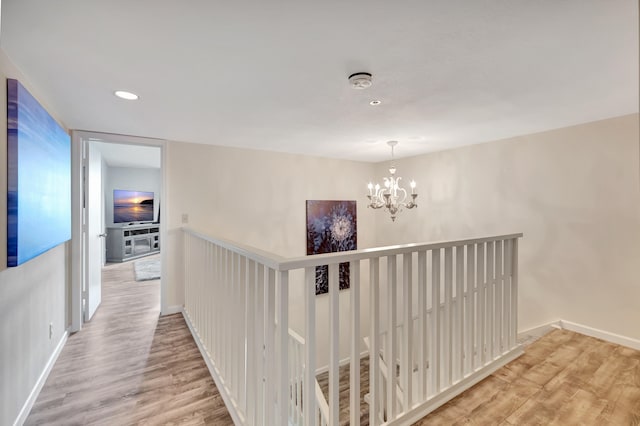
(207, 296)
(506, 300)
(470, 311)
(224, 284)
(238, 328)
(482, 305)
(435, 320)
(299, 383)
(238, 337)
(448, 316)
(374, 342)
(233, 326)
(260, 354)
(196, 281)
(406, 368)
(230, 315)
(283, 343)
(391, 353)
(422, 325)
(215, 279)
(250, 320)
(498, 301)
(309, 394)
(514, 292)
(271, 385)
(291, 375)
(334, 344)
(186, 242)
(458, 369)
(354, 370)
(244, 336)
(219, 308)
(490, 299)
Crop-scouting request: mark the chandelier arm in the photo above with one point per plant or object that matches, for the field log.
(404, 196)
(412, 203)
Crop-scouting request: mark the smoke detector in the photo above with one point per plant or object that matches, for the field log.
(360, 80)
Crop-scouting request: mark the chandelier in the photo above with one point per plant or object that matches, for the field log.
(392, 197)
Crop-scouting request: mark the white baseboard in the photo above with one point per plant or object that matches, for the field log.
(33, 396)
(341, 363)
(600, 334)
(540, 330)
(170, 310)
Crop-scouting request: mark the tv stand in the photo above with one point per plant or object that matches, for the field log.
(128, 242)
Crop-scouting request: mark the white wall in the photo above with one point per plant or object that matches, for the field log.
(574, 192)
(32, 295)
(134, 179)
(259, 198)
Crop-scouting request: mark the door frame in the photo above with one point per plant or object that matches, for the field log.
(79, 139)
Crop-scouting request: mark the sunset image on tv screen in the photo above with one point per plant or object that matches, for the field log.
(132, 206)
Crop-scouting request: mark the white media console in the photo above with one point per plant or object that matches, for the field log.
(131, 241)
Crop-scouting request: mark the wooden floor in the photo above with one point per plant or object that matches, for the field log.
(563, 378)
(127, 366)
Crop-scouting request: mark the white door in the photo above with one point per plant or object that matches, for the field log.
(94, 232)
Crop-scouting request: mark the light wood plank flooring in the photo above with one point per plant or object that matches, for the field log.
(127, 366)
(564, 378)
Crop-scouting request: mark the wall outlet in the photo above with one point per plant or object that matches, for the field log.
(185, 218)
(50, 330)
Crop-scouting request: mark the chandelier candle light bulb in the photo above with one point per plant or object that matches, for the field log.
(393, 196)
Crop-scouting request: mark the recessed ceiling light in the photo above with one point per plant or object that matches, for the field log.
(126, 95)
(375, 102)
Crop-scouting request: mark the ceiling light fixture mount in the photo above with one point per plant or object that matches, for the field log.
(392, 197)
(123, 94)
(360, 80)
(375, 102)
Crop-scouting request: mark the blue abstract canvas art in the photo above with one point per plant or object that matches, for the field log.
(38, 178)
(331, 227)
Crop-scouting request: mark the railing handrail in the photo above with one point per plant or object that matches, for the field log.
(280, 263)
(271, 260)
(348, 256)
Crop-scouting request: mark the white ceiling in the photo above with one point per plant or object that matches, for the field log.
(121, 155)
(273, 74)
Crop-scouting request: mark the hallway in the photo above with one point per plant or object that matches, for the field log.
(128, 366)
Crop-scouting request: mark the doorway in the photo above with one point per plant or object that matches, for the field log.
(118, 202)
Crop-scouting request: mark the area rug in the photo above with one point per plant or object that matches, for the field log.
(146, 269)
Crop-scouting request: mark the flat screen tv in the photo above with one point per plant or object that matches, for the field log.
(132, 206)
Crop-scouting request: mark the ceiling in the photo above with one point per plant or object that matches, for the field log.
(121, 155)
(273, 75)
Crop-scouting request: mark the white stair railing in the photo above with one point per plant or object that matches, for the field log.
(456, 323)
(296, 377)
